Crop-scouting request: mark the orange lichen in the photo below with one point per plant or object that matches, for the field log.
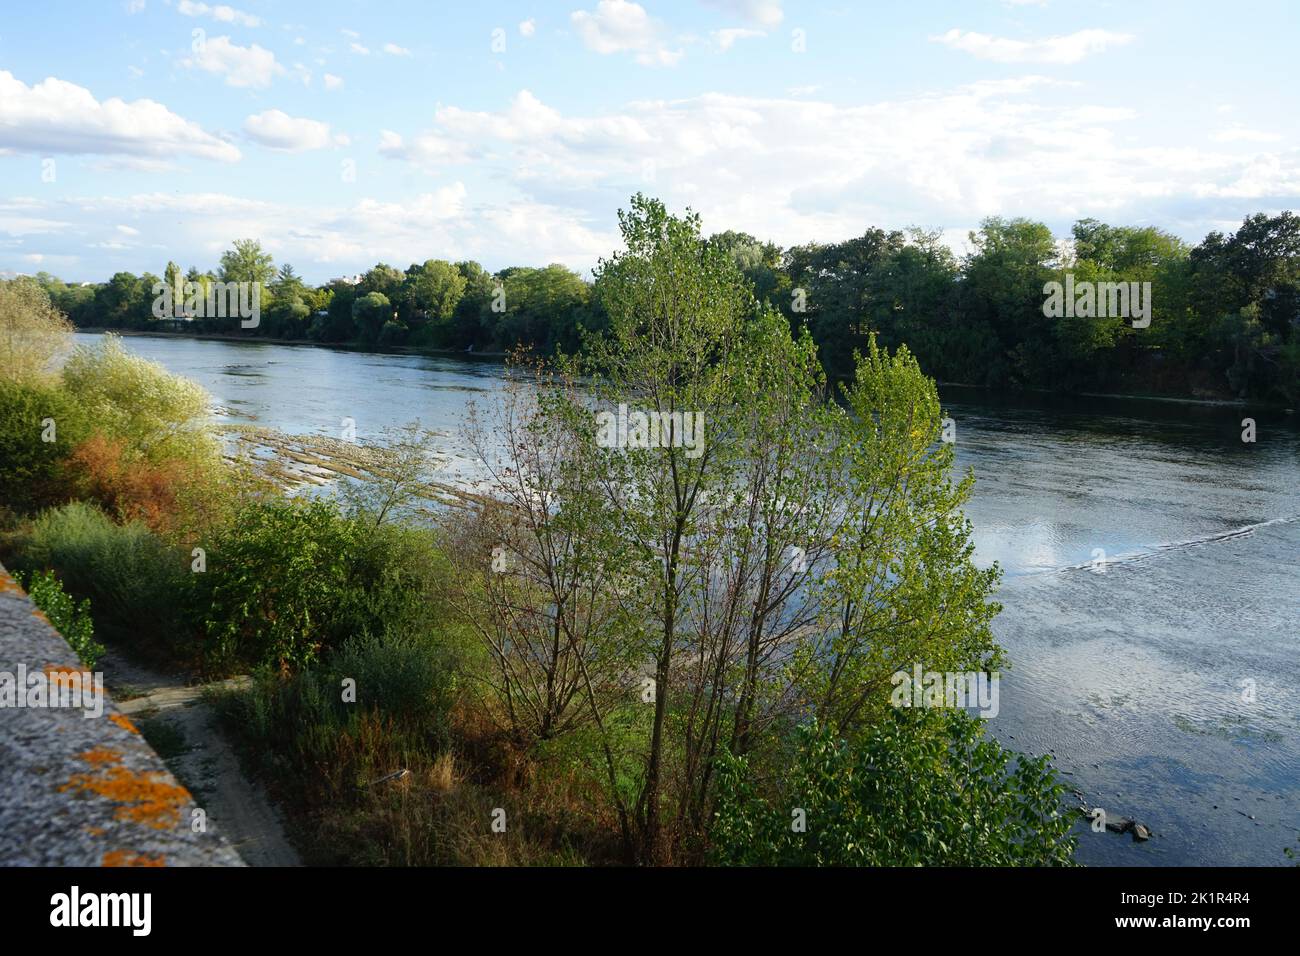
(101, 755)
(124, 722)
(95, 831)
(146, 798)
(9, 586)
(127, 858)
(40, 615)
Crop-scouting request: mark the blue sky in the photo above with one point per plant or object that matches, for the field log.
(345, 133)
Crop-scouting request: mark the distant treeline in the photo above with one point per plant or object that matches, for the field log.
(1225, 315)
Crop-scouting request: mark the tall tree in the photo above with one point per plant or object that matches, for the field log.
(246, 261)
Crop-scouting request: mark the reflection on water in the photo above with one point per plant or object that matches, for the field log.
(1151, 578)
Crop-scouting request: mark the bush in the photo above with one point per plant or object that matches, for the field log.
(159, 416)
(377, 780)
(133, 580)
(69, 618)
(131, 490)
(32, 331)
(33, 471)
(923, 787)
(290, 579)
(408, 684)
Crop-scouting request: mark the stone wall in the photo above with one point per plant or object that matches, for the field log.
(79, 786)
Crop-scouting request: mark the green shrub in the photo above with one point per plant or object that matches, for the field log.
(160, 416)
(32, 472)
(399, 716)
(290, 579)
(133, 579)
(70, 618)
(923, 787)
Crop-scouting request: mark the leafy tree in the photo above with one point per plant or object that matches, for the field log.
(117, 302)
(698, 530)
(246, 261)
(369, 314)
(431, 292)
(383, 279)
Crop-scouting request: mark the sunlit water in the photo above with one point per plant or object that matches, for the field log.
(1152, 569)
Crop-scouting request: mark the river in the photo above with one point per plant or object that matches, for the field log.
(1166, 680)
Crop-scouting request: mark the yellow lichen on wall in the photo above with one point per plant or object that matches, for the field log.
(124, 722)
(127, 858)
(145, 798)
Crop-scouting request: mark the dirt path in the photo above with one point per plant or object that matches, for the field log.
(185, 731)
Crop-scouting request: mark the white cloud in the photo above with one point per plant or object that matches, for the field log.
(332, 82)
(1241, 134)
(726, 38)
(278, 130)
(619, 26)
(394, 50)
(527, 27)
(221, 13)
(358, 48)
(133, 6)
(55, 116)
(243, 66)
(1002, 147)
(429, 150)
(765, 13)
(128, 231)
(324, 240)
(1071, 48)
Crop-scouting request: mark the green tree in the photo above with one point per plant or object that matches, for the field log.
(431, 293)
(246, 261)
(370, 312)
(699, 529)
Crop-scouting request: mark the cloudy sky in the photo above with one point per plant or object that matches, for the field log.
(344, 133)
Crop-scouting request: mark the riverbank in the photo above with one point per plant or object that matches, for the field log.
(340, 346)
(499, 356)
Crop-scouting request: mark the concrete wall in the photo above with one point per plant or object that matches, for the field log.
(78, 790)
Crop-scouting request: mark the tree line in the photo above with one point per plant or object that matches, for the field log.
(1225, 313)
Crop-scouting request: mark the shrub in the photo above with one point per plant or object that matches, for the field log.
(377, 780)
(290, 579)
(69, 618)
(159, 416)
(33, 471)
(923, 787)
(132, 578)
(131, 490)
(32, 331)
(407, 684)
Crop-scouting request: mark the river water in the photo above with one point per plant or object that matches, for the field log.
(1151, 587)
